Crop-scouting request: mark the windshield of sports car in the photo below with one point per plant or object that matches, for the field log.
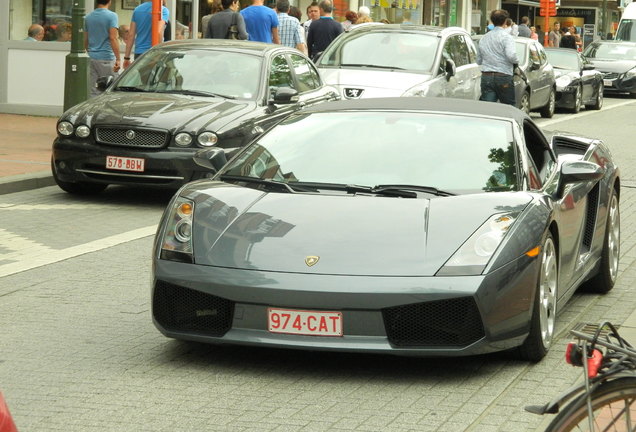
(194, 72)
(566, 59)
(459, 154)
(383, 50)
(611, 51)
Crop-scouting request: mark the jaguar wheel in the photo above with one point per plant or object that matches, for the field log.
(598, 102)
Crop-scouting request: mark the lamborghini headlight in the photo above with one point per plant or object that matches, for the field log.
(177, 236)
(473, 256)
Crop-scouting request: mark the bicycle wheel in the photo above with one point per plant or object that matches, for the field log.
(613, 404)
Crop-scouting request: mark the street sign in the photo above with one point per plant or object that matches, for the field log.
(551, 12)
(548, 8)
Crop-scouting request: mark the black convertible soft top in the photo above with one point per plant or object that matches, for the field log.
(439, 104)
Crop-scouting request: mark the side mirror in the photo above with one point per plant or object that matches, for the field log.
(450, 69)
(104, 82)
(284, 95)
(212, 158)
(588, 66)
(534, 65)
(578, 172)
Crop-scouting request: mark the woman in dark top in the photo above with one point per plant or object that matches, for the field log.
(568, 41)
(220, 22)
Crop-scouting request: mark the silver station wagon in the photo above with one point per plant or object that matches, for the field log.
(402, 60)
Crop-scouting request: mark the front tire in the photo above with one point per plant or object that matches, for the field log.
(524, 104)
(605, 279)
(548, 110)
(538, 342)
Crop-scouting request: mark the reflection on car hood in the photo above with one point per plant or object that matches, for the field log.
(618, 66)
(375, 82)
(159, 110)
(244, 228)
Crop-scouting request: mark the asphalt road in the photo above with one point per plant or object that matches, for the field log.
(78, 351)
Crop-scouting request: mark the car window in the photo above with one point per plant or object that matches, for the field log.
(479, 156)
(611, 51)
(306, 74)
(534, 54)
(456, 50)
(563, 59)
(537, 148)
(227, 73)
(472, 52)
(280, 73)
(522, 53)
(542, 54)
(400, 50)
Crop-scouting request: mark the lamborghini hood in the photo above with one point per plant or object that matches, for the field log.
(244, 228)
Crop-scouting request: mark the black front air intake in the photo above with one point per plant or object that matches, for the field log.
(183, 309)
(441, 323)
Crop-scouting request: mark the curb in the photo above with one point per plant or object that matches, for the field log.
(24, 182)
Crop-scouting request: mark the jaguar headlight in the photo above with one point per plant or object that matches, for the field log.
(183, 139)
(207, 139)
(65, 128)
(473, 256)
(177, 236)
(83, 131)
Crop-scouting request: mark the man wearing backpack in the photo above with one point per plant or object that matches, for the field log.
(220, 23)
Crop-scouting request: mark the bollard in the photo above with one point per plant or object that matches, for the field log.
(77, 62)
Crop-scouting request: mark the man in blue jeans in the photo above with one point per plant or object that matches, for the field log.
(497, 58)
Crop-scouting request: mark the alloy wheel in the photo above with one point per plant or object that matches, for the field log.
(613, 237)
(547, 292)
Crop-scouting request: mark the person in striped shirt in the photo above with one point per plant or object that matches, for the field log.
(290, 31)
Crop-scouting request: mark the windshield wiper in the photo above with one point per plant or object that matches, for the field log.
(371, 66)
(198, 93)
(130, 89)
(395, 188)
(285, 187)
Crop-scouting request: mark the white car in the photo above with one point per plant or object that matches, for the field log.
(402, 60)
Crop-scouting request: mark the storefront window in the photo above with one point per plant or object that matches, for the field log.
(392, 11)
(54, 16)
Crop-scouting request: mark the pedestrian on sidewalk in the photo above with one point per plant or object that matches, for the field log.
(261, 23)
(323, 31)
(101, 42)
(139, 33)
(220, 22)
(497, 57)
(289, 29)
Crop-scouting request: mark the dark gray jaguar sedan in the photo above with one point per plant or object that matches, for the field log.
(617, 61)
(424, 226)
(176, 99)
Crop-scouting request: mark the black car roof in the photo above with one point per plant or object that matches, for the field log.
(445, 105)
(223, 44)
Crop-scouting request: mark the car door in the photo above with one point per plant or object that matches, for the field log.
(544, 74)
(450, 84)
(473, 74)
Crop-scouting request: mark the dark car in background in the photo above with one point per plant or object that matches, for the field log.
(178, 98)
(578, 83)
(392, 235)
(402, 60)
(617, 61)
(535, 85)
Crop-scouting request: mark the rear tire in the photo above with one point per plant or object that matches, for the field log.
(598, 103)
(578, 100)
(524, 104)
(79, 188)
(605, 279)
(542, 323)
(607, 402)
(548, 110)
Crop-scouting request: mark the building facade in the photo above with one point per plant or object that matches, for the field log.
(32, 73)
